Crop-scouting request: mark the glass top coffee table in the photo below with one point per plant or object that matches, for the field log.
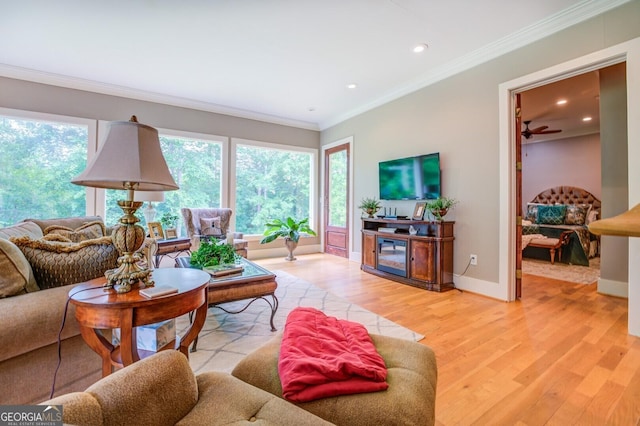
(252, 283)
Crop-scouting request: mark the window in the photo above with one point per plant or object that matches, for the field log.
(272, 181)
(195, 162)
(39, 155)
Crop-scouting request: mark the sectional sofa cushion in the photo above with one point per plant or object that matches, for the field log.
(88, 231)
(17, 276)
(21, 229)
(57, 263)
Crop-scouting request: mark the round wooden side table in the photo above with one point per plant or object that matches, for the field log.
(98, 308)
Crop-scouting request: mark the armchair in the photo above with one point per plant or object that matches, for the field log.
(211, 223)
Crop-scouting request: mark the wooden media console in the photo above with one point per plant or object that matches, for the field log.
(423, 260)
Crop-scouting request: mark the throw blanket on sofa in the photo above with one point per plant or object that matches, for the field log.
(323, 356)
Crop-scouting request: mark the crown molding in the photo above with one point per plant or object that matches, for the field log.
(571, 16)
(579, 12)
(26, 74)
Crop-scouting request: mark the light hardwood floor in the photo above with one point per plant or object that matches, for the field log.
(559, 356)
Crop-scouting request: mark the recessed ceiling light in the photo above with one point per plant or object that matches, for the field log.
(352, 86)
(586, 118)
(420, 48)
(561, 102)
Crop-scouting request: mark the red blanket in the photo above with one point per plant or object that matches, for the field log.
(323, 356)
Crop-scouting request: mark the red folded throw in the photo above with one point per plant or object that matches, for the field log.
(322, 356)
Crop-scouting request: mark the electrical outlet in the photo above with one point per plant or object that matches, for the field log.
(473, 259)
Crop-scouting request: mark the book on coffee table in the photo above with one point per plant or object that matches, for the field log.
(220, 270)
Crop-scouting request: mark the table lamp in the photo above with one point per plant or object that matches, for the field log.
(149, 212)
(130, 159)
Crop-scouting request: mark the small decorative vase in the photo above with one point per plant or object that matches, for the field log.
(291, 246)
(370, 212)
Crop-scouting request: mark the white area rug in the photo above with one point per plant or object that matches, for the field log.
(562, 271)
(226, 338)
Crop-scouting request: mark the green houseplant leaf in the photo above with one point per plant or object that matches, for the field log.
(288, 228)
(212, 253)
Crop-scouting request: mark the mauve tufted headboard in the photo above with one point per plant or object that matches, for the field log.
(568, 195)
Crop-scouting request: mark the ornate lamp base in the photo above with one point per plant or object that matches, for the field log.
(128, 238)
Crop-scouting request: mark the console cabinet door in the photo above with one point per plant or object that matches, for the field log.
(422, 263)
(369, 250)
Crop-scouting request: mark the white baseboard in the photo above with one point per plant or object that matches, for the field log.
(281, 251)
(613, 288)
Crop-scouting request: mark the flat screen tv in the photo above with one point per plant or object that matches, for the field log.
(411, 178)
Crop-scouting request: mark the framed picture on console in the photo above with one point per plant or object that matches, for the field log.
(171, 233)
(155, 230)
(418, 211)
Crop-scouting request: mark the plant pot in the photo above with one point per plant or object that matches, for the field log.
(291, 246)
(370, 212)
(439, 213)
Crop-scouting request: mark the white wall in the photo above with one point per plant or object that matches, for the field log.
(561, 162)
(459, 117)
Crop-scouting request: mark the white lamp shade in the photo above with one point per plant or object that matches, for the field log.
(157, 196)
(130, 154)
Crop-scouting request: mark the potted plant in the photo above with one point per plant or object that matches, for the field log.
(370, 206)
(288, 229)
(213, 253)
(169, 222)
(440, 206)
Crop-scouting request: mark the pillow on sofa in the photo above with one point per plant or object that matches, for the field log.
(56, 263)
(551, 214)
(21, 229)
(88, 231)
(576, 214)
(17, 275)
(210, 226)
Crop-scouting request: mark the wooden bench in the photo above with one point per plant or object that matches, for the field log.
(552, 244)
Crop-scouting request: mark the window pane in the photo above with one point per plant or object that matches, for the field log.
(196, 166)
(38, 159)
(338, 189)
(270, 183)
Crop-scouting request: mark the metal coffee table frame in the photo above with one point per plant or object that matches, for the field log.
(253, 283)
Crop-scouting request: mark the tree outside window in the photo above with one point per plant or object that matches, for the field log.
(271, 183)
(38, 159)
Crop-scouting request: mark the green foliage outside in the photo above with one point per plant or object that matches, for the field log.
(270, 183)
(39, 159)
(37, 162)
(338, 189)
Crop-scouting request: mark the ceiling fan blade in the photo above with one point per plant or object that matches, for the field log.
(539, 129)
(546, 132)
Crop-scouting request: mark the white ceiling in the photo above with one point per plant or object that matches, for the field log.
(281, 61)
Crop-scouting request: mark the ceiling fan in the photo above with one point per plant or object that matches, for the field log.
(542, 130)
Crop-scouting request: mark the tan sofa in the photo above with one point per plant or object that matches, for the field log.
(162, 390)
(31, 322)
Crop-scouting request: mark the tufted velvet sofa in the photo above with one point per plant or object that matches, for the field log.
(32, 306)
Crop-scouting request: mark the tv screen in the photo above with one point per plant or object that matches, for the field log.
(411, 178)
